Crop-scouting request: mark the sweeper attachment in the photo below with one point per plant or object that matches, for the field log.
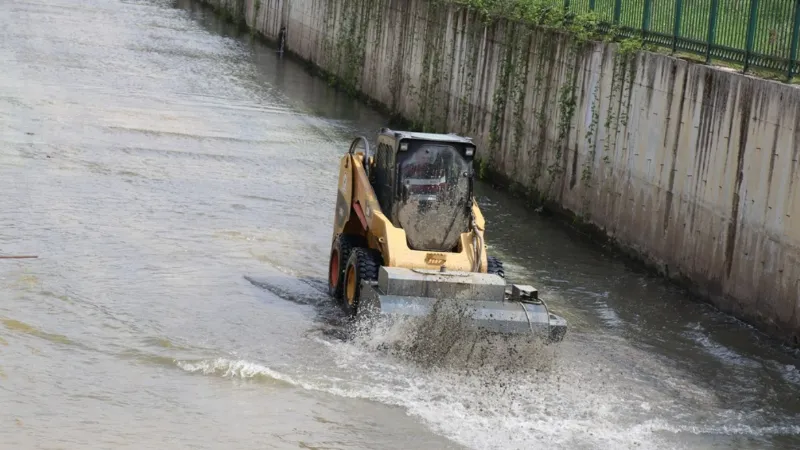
(408, 239)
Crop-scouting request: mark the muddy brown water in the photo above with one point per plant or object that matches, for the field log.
(154, 157)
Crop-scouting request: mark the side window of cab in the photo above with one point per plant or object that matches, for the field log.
(383, 178)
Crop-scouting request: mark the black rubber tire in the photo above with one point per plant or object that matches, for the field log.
(495, 266)
(366, 264)
(343, 246)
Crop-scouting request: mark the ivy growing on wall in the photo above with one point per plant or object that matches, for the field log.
(520, 18)
(256, 10)
(377, 21)
(330, 52)
(351, 42)
(355, 25)
(432, 74)
(555, 101)
(519, 93)
(532, 81)
(501, 93)
(472, 39)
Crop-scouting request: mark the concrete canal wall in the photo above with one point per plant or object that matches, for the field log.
(693, 169)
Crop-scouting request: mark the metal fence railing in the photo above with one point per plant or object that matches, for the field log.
(754, 33)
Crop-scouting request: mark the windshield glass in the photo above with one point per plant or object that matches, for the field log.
(434, 197)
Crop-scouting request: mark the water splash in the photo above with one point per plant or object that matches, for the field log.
(241, 369)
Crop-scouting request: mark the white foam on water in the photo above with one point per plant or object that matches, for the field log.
(552, 402)
(791, 374)
(479, 411)
(569, 395)
(737, 429)
(607, 314)
(564, 407)
(227, 368)
(719, 351)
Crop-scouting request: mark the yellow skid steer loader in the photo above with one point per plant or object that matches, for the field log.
(408, 233)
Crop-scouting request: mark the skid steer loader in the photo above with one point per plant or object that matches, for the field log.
(408, 234)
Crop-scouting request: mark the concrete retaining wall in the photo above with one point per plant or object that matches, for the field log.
(694, 169)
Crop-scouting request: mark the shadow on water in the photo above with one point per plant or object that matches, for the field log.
(219, 24)
(331, 321)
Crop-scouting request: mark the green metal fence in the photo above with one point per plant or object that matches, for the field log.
(754, 33)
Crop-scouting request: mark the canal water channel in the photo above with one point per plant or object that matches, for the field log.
(177, 181)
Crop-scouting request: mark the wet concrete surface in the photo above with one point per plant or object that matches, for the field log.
(177, 181)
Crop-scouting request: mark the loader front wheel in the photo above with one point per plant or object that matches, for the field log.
(340, 254)
(363, 265)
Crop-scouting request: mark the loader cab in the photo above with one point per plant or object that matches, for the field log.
(424, 185)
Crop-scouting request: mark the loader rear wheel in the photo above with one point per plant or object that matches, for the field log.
(363, 265)
(340, 254)
(495, 266)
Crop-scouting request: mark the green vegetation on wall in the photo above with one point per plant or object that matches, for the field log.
(431, 115)
(534, 97)
(501, 92)
(352, 40)
(467, 68)
(256, 10)
(519, 95)
(763, 34)
(349, 24)
(556, 100)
